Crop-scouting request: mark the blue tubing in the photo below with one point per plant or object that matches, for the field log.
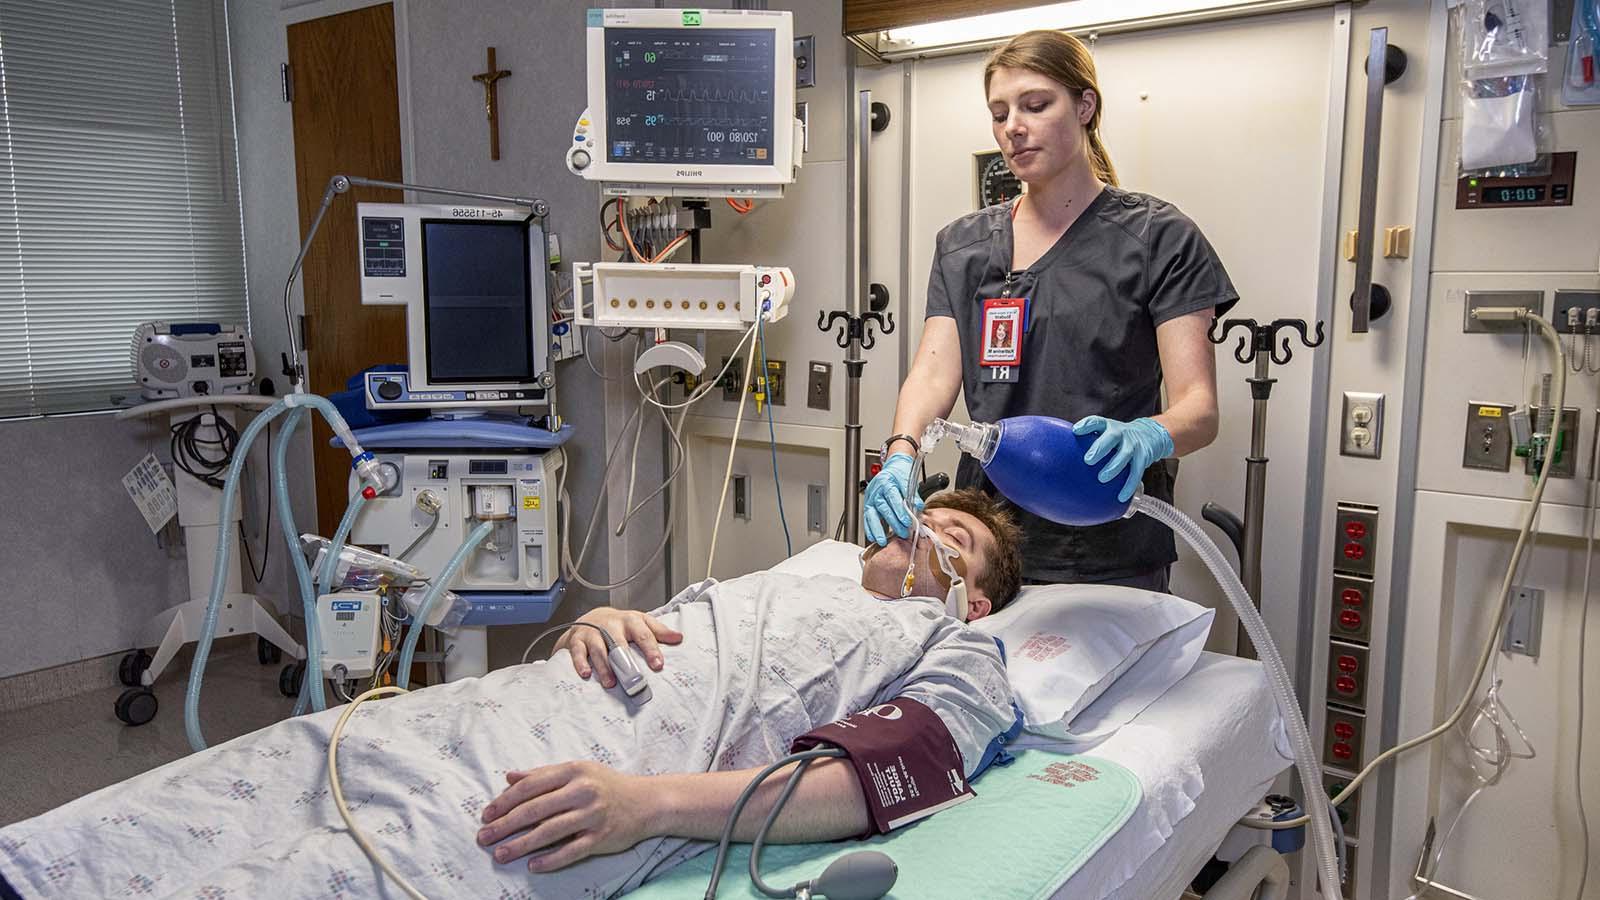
(230, 494)
(311, 688)
(435, 588)
(208, 630)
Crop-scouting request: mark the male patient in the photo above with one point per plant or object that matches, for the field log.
(603, 791)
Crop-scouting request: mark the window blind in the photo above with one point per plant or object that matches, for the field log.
(119, 196)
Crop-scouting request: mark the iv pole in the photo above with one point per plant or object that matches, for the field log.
(856, 335)
(1259, 345)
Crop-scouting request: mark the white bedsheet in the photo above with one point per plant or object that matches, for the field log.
(1205, 752)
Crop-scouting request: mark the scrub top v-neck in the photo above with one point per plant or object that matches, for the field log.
(1129, 263)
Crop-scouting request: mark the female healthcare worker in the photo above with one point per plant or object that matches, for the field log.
(1076, 301)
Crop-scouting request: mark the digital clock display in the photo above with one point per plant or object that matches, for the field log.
(1524, 194)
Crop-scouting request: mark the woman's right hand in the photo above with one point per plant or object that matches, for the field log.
(625, 626)
(887, 494)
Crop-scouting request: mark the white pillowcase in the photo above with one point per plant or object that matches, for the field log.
(1084, 638)
(1066, 644)
(824, 558)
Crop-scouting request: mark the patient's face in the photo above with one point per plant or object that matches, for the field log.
(885, 569)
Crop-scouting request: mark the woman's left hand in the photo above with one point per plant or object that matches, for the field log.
(568, 811)
(1137, 445)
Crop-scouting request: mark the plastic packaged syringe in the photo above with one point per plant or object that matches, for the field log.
(358, 569)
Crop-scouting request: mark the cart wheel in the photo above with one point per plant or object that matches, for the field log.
(289, 679)
(132, 668)
(136, 706)
(267, 653)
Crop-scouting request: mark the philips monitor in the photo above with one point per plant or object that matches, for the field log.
(694, 103)
(473, 281)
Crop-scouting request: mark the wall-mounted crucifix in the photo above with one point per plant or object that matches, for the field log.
(490, 108)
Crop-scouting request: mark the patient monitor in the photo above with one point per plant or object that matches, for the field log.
(689, 103)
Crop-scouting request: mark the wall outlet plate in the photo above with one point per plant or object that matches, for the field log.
(1566, 465)
(1524, 622)
(1486, 443)
(817, 508)
(1532, 301)
(1361, 426)
(776, 379)
(819, 386)
(1583, 301)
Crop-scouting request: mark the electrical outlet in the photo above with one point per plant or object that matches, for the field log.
(1347, 674)
(819, 387)
(1350, 810)
(1361, 430)
(1487, 441)
(1341, 739)
(775, 382)
(1525, 622)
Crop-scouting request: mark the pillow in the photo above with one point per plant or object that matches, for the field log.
(1066, 644)
(824, 558)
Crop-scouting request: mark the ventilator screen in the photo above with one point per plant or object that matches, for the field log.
(479, 318)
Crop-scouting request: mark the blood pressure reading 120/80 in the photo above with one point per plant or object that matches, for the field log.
(682, 96)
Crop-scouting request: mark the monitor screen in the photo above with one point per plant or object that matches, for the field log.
(690, 95)
(476, 301)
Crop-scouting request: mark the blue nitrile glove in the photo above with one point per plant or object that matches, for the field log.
(886, 500)
(1138, 445)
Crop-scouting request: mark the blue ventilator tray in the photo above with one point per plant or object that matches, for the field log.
(512, 608)
(482, 433)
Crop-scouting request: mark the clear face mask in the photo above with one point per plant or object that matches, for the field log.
(941, 564)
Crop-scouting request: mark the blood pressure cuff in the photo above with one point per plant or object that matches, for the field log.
(908, 764)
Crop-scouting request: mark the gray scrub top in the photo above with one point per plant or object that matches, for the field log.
(1129, 263)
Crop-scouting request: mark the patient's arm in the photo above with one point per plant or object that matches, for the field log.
(597, 810)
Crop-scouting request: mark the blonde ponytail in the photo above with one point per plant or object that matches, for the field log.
(1100, 160)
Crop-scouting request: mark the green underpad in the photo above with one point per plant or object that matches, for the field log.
(1031, 826)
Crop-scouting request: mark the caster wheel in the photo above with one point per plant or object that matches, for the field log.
(267, 653)
(289, 679)
(136, 706)
(132, 668)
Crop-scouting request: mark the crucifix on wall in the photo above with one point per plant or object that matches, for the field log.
(490, 107)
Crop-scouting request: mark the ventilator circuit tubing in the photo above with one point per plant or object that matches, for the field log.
(295, 404)
(431, 596)
(1305, 753)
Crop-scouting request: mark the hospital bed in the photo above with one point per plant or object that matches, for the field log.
(1203, 753)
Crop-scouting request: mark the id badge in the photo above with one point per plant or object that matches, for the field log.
(1000, 351)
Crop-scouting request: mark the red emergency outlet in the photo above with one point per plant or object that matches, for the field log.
(1352, 597)
(874, 469)
(1348, 664)
(1342, 750)
(1354, 551)
(1355, 531)
(1344, 731)
(1345, 685)
(1350, 619)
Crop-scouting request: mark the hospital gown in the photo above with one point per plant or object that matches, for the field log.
(764, 659)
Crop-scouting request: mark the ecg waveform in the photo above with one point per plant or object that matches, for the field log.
(705, 96)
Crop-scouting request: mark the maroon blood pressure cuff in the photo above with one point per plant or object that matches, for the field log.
(907, 762)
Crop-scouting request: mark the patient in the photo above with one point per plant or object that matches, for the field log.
(539, 781)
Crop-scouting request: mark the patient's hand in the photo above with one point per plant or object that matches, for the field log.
(625, 626)
(569, 811)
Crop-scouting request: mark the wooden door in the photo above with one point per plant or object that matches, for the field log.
(346, 121)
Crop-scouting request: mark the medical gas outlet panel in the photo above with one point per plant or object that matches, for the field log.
(705, 297)
(436, 499)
